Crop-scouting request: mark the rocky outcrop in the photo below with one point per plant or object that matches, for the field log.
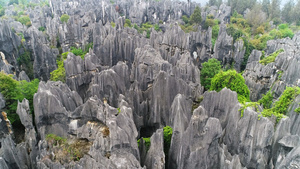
(200, 153)
(223, 47)
(155, 156)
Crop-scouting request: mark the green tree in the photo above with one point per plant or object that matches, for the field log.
(14, 91)
(233, 81)
(28, 89)
(64, 18)
(196, 16)
(266, 6)
(208, 71)
(275, 9)
(24, 20)
(60, 73)
(10, 91)
(287, 11)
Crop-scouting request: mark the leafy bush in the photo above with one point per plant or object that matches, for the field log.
(157, 28)
(24, 20)
(127, 23)
(78, 52)
(287, 97)
(266, 100)
(14, 91)
(215, 34)
(25, 63)
(281, 106)
(113, 24)
(185, 19)
(188, 28)
(147, 142)
(28, 89)
(42, 28)
(233, 81)
(271, 58)
(168, 131)
(60, 73)
(64, 18)
(196, 17)
(208, 71)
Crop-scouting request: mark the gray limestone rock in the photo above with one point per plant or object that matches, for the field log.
(223, 47)
(220, 105)
(204, 151)
(2, 101)
(155, 156)
(51, 105)
(23, 76)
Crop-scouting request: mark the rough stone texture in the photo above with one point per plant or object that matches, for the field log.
(51, 105)
(23, 76)
(260, 78)
(223, 47)
(2, 101)
(239, 53)
(200, 153)
(220, 105)
(155, 156)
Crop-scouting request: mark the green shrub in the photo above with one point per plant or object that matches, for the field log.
(249, 104)
(42, 28)
(233, 81)
(215, 34)
(196, 17)
(281, 106)
(127, 23)
(113, 24)
(60, 73)
(14, 91)
(188, 28)
(283, 26)
(168, 131)
(28, 89)
(147, 142)
(271, 58)
(287, 97)
(24, 20)
(64, 18)
(208, 71)
(25, 63)
(78, 52)
(266, 100)
(185, 19)
(156, 27)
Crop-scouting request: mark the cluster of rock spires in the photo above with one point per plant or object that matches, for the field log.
(129, 86)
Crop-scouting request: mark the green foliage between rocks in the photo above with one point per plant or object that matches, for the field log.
(168, 131)
(25, 20)
(271, 58)
(147, 142)
(14, 91)
(233, 81)
(208, 71)
(196, 16)
(280, 107)
(64, 18)
(60, 73)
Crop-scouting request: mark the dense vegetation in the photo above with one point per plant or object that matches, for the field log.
(60, 73)
(233, 81)
(14, 91)
(208, 71)
(271, 58)
(64, 18)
